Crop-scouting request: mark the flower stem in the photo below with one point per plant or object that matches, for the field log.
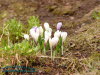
(62, 49)
(44, 51)
(8, 39)
(51, 54)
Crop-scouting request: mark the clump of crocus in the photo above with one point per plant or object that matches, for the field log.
(46, 35)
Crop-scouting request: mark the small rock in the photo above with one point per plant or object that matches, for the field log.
(72, 18)
(64, 10)
(83, 24)
(51, 8)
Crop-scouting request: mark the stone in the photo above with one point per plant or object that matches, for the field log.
(63, 10)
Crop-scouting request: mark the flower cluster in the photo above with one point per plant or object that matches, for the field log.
(39, 33)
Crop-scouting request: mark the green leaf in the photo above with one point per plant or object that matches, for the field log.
(33, 21)
(58, 47)
(96, 15)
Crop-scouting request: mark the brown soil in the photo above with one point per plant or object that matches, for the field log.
(46, 10)
(81, 7)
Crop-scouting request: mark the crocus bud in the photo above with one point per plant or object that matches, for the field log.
(63, 35)
(36, 36)
(34, 33)
(33, 30)
(37, 31)
(41, 30)
(53, 42)
(46, 26)
(48, 33)
(59, 24)
(57, 33)
(26, 36)
(47, 36)
(49, 30)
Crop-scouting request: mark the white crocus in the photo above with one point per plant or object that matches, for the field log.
(32, 31)
(46, 38)
(63, 36)
(26, 36)
(49, 30)
(37, 31)
(41, 30)
(34, 34)
(57, 34)
(48, 33)
(53, 42)
(46, 26)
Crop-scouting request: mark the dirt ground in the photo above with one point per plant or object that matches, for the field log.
(44, 8)
(52, 11)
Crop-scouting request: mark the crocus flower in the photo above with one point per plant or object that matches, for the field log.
(36, 36)
(47, 36)
(63, 35)
(53, 42)
(57, 33)
(49, 30)
(34, 28)
(34, 32)
(37, 31)
(59, 24)
(41, 30)
(26, 36)
(46, 26)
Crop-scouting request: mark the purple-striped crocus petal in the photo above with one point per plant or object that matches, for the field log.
(34, 28)
(59, 24)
